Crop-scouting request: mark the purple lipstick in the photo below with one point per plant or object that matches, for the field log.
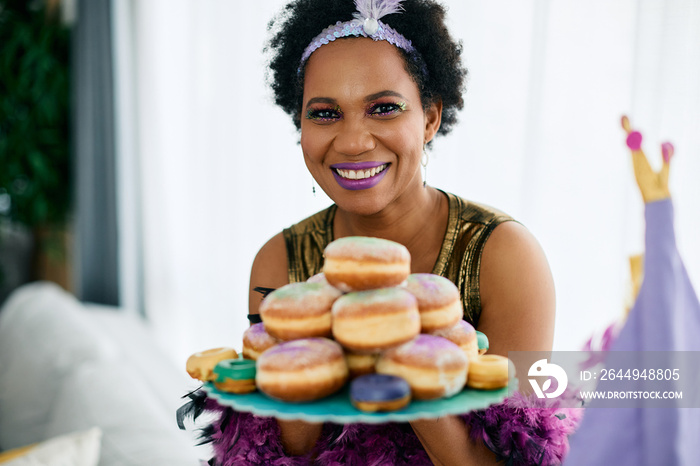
(358, 176)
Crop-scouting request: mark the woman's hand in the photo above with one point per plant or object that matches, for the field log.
(270, 271)
(299, 437)
(447, 442)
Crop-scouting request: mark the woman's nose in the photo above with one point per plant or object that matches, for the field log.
(353, 138)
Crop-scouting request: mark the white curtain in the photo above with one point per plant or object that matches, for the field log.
(210, 168)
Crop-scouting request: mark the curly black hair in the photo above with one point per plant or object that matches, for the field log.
(435, 66)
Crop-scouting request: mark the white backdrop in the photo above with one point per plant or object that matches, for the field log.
(210, 168)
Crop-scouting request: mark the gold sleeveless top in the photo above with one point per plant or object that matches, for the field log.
(468, 227)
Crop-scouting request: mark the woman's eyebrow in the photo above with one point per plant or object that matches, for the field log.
(369, 98)
(378, 95)
(320, 100)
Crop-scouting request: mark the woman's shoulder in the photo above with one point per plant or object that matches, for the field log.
(476, 212)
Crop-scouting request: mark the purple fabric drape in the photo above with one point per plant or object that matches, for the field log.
(664, 318)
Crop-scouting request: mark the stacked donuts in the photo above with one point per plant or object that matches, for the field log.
(366, 319)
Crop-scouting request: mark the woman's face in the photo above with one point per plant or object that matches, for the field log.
(363, 127)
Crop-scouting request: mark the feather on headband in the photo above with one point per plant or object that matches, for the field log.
(365, 23)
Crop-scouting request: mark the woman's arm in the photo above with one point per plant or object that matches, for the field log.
(446, 441)
(517, 314)
(270, 271)
(517, 292)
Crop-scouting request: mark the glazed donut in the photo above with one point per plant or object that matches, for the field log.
(379, 392)
(489, 372)
(235, 376)
(299, 310)
(463, 335)
(302, 370)
(483, 342)
(256, 340)
(201, 365)
(360, 363)
(373, 320)
(433, 366)
(438, 300)
(357, 263)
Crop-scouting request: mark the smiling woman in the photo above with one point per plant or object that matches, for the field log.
(361, 114)
(368, 102)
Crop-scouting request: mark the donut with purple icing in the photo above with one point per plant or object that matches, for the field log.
(463, 335)
(434, 367)
(438, 300)
(256, 341)
(379, 393)
(357, 263)
(302, 370)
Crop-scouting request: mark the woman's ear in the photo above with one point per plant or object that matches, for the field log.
(433, 117)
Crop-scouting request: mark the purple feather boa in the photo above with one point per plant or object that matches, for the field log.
(526, 430)
(520, 431)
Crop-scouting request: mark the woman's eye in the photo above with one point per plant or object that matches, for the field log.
(387, 108)
(323, 114)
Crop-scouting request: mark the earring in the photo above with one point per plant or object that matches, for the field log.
(424, 162)
(313, 186)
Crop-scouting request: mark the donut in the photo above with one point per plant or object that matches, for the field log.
(302, 370)
(463, 335)
(379, 392)
(201, 365)
(299, 310)
(483, 342)
(357, 263)
(490, 372)
(433, 366)
(235, 376)
(318, 278)
(360, 363)
(373, 320)
(438, 300)
(256, 340)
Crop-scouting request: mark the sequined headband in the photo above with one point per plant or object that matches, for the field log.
(365, 23)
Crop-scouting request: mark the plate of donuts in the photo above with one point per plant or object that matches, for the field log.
(338, 408)
(364, 341)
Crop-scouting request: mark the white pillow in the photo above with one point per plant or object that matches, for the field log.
(149, 361)
(44, 335)
(137, 432)
(76, 449)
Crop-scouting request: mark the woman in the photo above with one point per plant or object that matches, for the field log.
(367, 104)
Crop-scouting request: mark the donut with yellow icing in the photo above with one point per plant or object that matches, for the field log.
(360, 363)
(200, 365)
(490, 372)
